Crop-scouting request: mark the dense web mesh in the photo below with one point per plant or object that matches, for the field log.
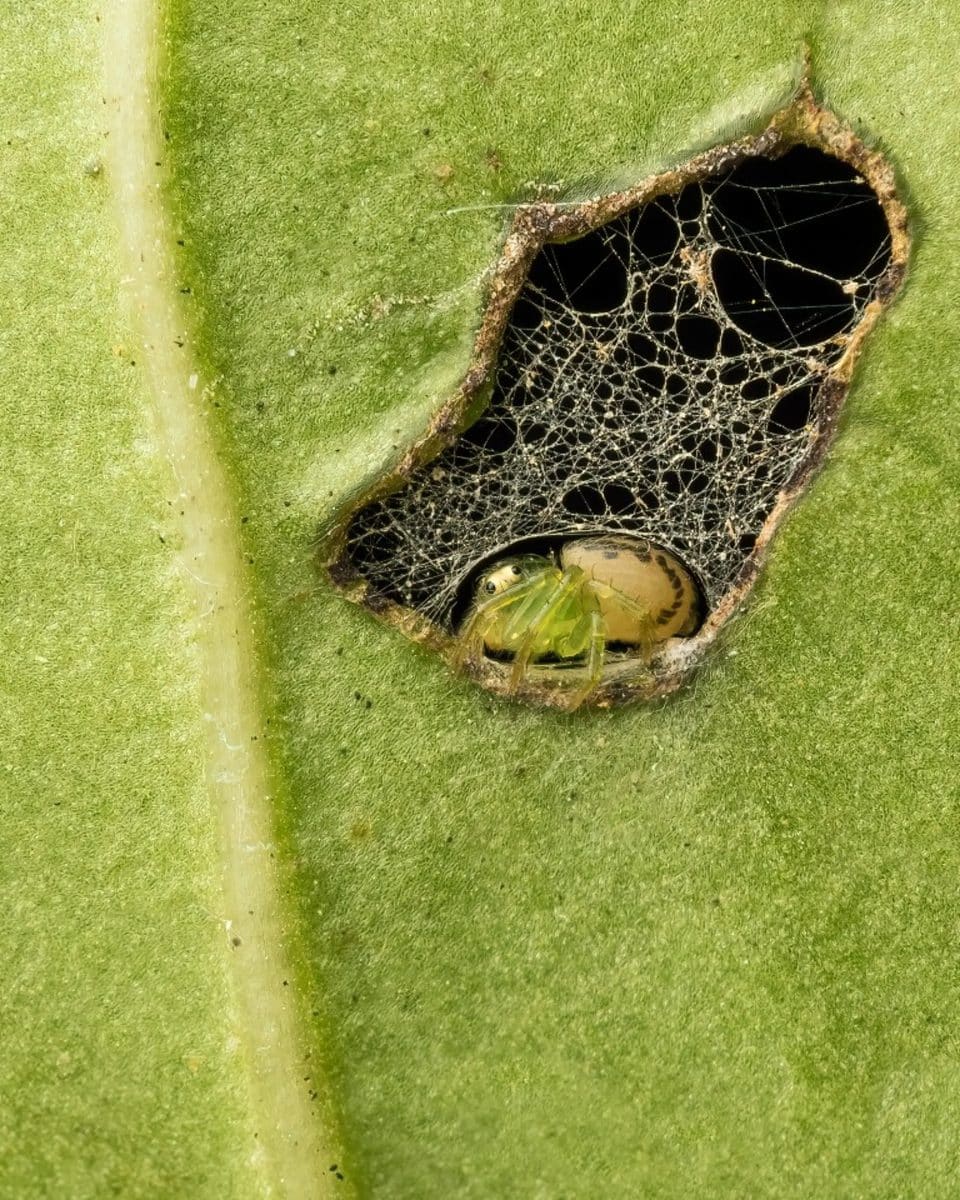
(659, 377)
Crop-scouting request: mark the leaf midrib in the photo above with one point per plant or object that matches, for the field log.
(294, 1135)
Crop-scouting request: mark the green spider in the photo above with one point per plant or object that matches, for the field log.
(570, 607)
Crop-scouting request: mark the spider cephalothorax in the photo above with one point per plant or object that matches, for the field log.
(596, 591)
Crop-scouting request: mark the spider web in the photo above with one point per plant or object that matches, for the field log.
(659, 377)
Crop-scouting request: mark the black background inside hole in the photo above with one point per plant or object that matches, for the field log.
(588, 273)
(792, 232)
(805, 207)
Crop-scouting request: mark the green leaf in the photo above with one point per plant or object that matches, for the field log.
(699, 948)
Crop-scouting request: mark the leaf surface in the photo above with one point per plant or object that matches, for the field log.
(700, 948)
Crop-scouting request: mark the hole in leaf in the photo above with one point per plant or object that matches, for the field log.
(656, 373)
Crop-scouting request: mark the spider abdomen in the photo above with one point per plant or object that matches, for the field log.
(646, 574)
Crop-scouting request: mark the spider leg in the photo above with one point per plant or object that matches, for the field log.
(595, 651)
(577, 640)
(471, 638)
(646, 623)
(556, 597)
(470, 642)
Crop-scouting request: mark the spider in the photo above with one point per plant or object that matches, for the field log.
(572, 605)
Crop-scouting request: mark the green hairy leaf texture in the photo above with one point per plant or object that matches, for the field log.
(288, 908)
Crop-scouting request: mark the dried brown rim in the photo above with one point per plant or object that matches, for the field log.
(802, 122)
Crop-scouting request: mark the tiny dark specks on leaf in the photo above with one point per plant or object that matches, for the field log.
(360, 831)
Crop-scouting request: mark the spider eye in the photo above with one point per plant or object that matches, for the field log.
(490, 587)
(514, 570)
